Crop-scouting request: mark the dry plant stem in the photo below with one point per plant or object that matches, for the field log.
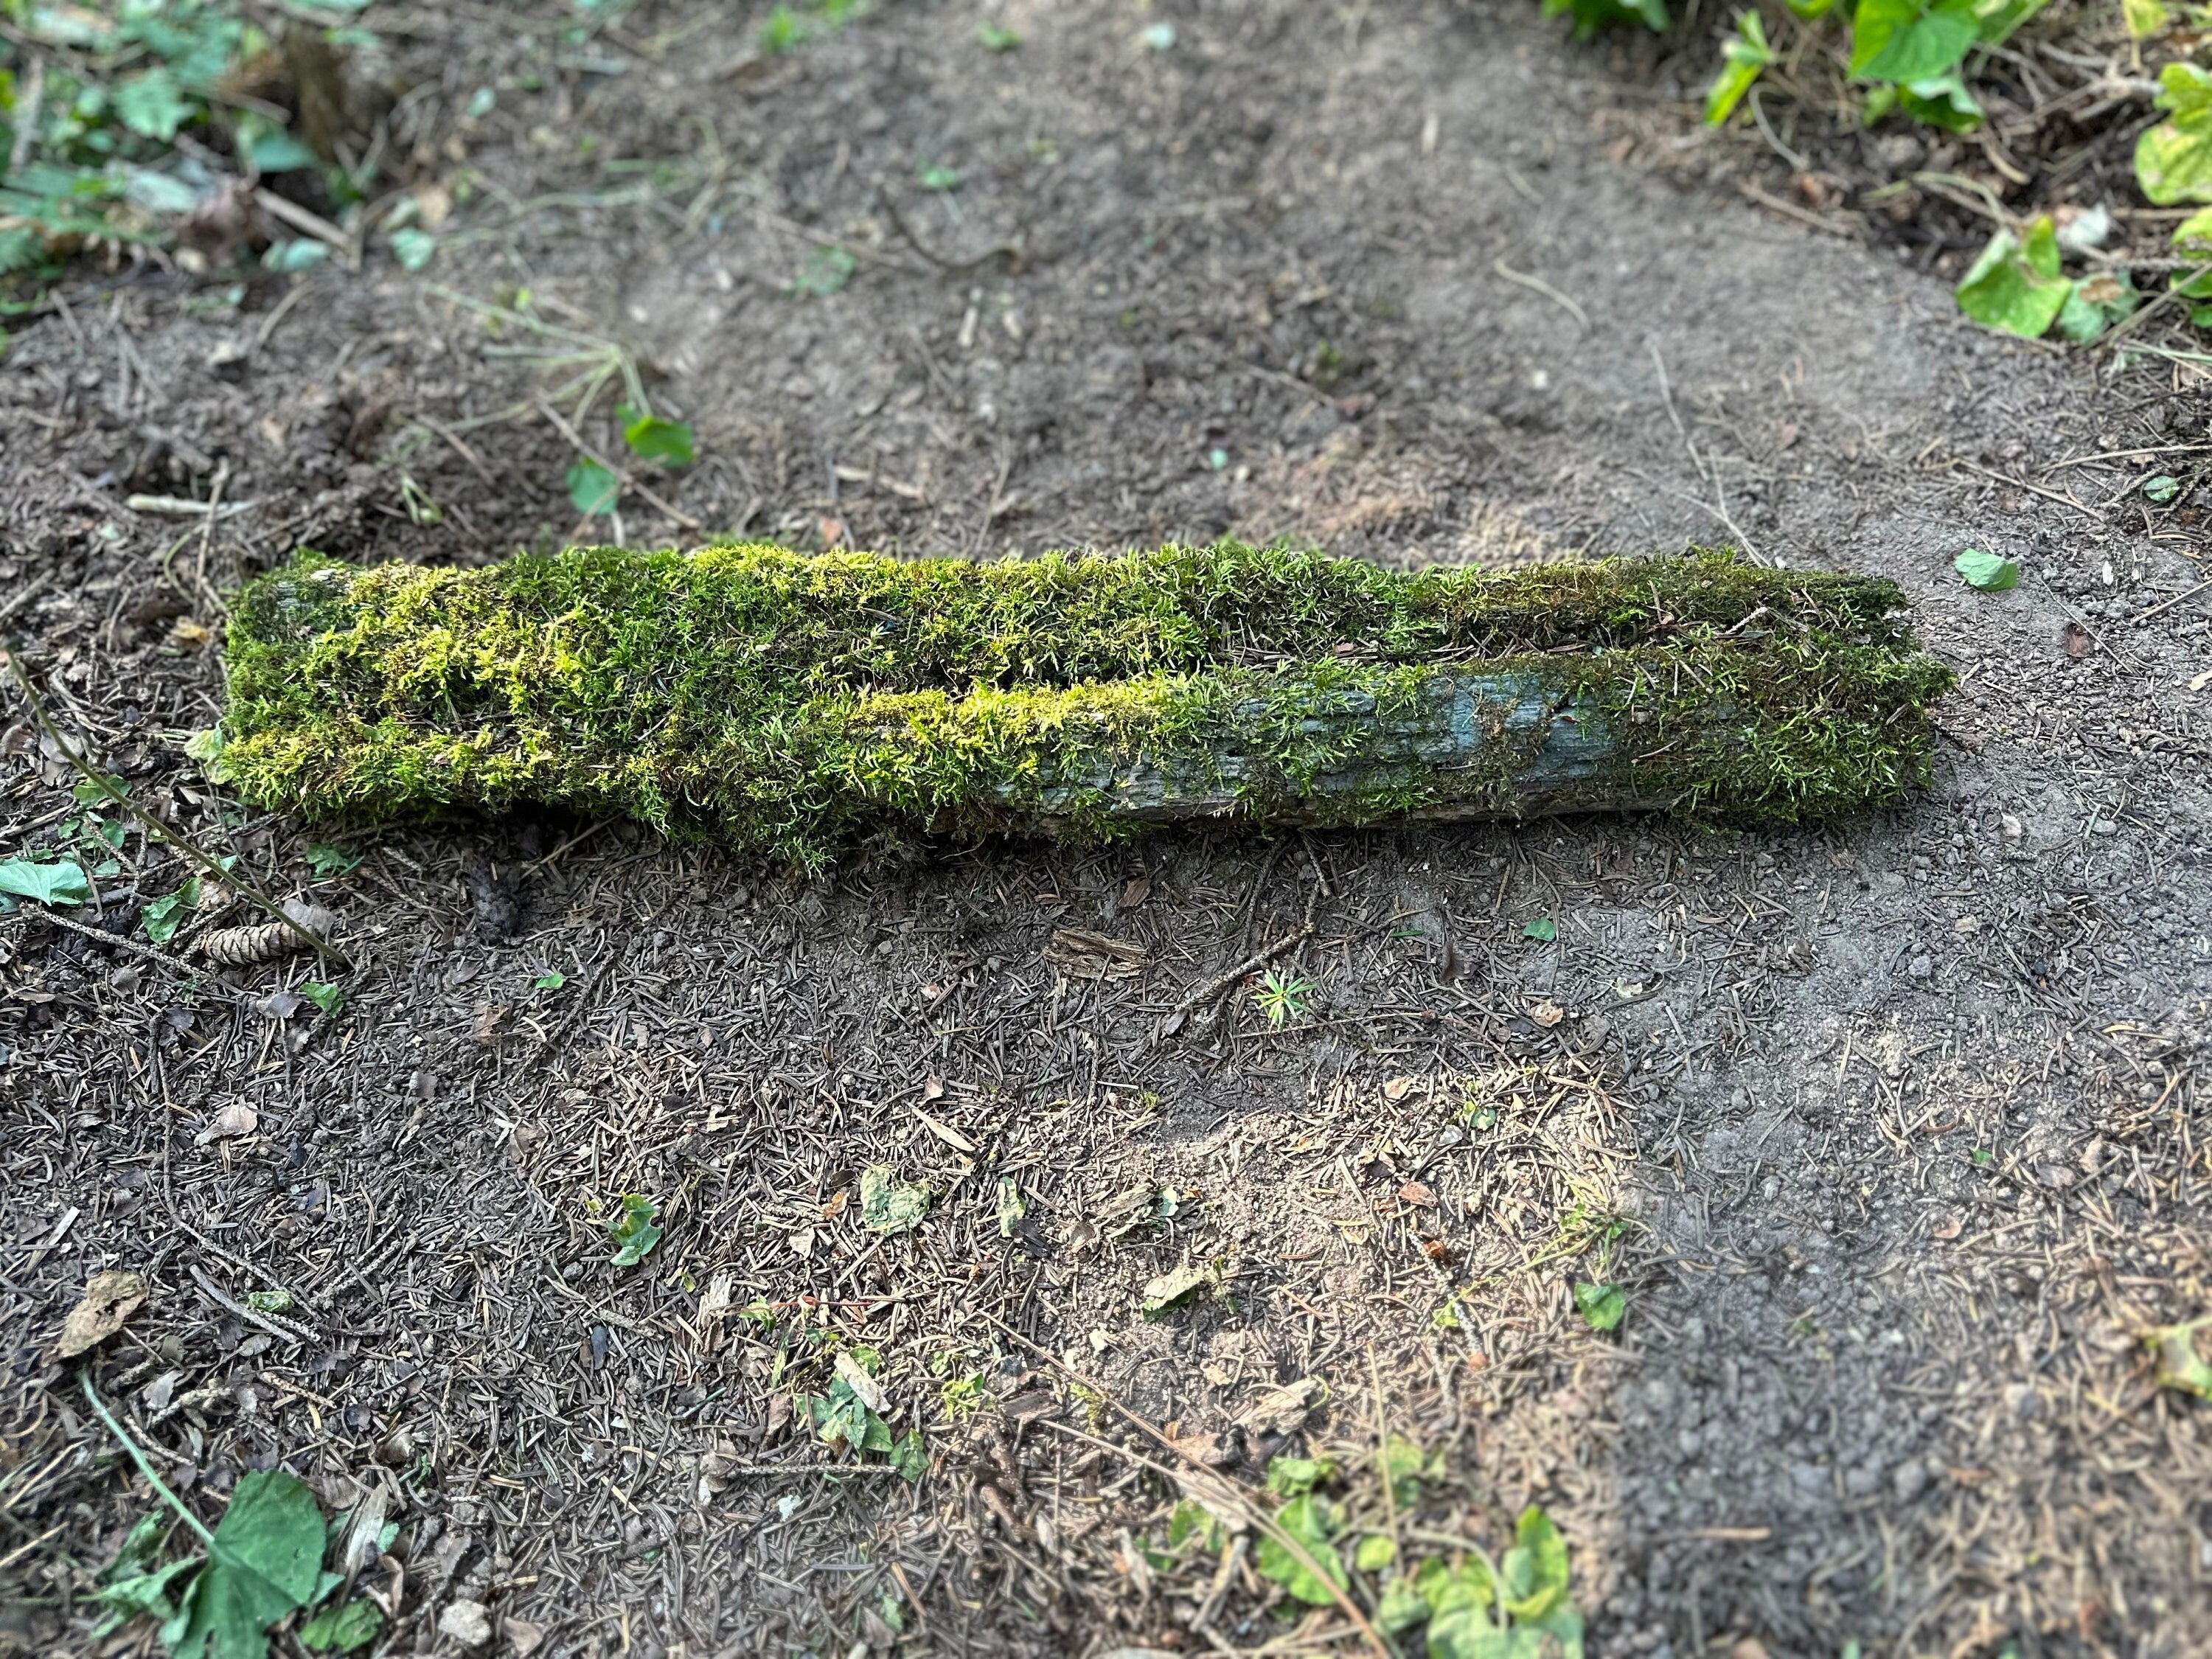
(153, 826)
(1252, 1514)
(145, 1464)
(1214, 987)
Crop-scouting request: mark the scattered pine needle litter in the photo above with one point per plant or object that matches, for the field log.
(785, 704)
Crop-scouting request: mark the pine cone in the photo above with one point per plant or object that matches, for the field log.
(242, 947)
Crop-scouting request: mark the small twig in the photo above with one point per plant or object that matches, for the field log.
(2021, 484)
(145, 1464)
(1541, 286)
(626, 481)
(1011, 250)
(251, 1316)
(183, 507)
(1214, 987)
(2160, 610)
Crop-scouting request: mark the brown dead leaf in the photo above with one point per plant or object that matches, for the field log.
(1946, 1227)
(1547, 1014)
(489, 1015)
(2077, 641)
(1397, 1089)
(524, 1637)
(836, 1206)
(1136, 890)
(109, 1298)
(232, 1122)
(1418, 1194)
(1081, 954)
(1284, 1410)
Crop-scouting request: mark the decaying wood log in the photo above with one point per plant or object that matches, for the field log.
(785, 703)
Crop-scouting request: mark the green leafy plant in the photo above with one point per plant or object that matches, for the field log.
(636, 1229)
(826, 273)
(1282, 997)
(1544, 930)
(1743, 55)
(262, 1562)
(651, 437)
(888, 1204)
(2174, 159)
(49, 881)
(1986, 571)
(996, 37)
(1602, 1306)
(325, 862)
(2016, 285)
(328, 997)
(1591, 16)
(593, 488)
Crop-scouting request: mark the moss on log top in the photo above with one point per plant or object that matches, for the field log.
(782, 702)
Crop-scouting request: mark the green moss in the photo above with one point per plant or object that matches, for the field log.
(782, 702)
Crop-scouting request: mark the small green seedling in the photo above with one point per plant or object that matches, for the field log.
(1282, 998)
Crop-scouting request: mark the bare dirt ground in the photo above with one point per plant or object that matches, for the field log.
(1892, 1131)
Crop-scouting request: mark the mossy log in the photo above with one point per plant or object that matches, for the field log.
(784, 702)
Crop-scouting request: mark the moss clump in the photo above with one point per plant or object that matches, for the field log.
(781, 702)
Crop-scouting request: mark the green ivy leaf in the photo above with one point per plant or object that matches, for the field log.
(327, 996)
(1543, 928)
(265, 1562)
(2015, 286)
(60, 882)
(1535, 1568)
(1307, 1520)
(593, 488)
(2144, 18)
(1376, 1551)
(1602, 1306)
(326, 861)
(652, 439)
(340, 1630)
(1294, 1477)
(888, 1204)
(910, 1457)
(152, 104)
(1591, 16)
(1986, 570)
(161, 917)
(1399, 1606)
(1908, 40)
(635, 1229)
(2174, 159)
(1943, 101)
(413, 248)
(827, 270)
(996, 37)
(1743, 55)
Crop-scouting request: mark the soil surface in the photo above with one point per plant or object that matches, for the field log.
(1892, 1131)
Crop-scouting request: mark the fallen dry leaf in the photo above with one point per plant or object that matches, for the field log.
(836, 1206)
(1397, 1089)
(232, 1121)
(109, 1298)
(1419, 1194)
(1135, 891)
(1946, 1226)
(524, 1637)
(489, 1015)
(1284, 1410)
(1547, 1014)
(2077, 641)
